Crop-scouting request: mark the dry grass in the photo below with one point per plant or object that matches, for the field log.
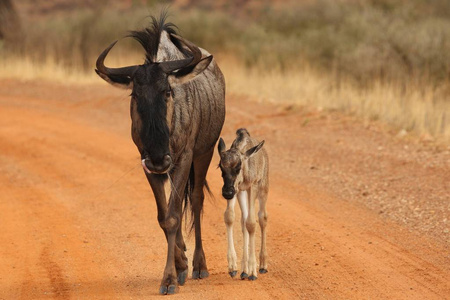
(51, 69)
(28, 69)
(418, 110)
(381, 60)
(415, 108)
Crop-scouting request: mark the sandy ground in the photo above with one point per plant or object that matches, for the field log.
(354, 212)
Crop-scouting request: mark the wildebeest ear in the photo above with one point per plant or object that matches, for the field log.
(221, 146)
(188, 73)
(253, 150)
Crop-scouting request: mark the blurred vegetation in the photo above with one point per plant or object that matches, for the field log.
(383, 39)
(10, 27)
(364, 44)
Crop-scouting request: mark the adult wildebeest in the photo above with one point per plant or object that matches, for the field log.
(245, 172)
(177, 111)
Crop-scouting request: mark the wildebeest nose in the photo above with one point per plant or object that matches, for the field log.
(163, 165)
(160, 166)
(167, 161)
(228, 193)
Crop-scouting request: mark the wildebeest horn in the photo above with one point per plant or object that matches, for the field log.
(193, 48)
(125, 71)
(170, 66)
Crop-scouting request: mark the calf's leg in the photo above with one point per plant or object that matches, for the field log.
(229, 220)
(250, 224)
(262, 216)
(243, 203)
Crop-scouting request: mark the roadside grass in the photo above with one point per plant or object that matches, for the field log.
(415, 109)
(386, 60)
(421, 109)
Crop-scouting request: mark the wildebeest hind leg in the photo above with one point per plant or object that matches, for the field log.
(181, 261)
(201, 165)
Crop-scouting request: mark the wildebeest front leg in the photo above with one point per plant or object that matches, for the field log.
(201, 165)
(229, 220)
(157, 183)
(173, 222)
(181, 261)
(243, 203)
(161, 187)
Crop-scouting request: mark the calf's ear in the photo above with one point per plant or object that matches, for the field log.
(221, 146)
(253, 150)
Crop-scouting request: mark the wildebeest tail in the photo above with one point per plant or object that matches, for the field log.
(188, 198)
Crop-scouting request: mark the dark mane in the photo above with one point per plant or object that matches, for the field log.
(241, 134)
(150, 37)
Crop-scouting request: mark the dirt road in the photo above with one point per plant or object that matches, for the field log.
(354, 213)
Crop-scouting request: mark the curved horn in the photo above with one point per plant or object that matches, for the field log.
(196, 53)
(170, 66)
(101, 68)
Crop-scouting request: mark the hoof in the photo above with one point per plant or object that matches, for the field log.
(263, 271)
(163, 290)
(182, 277)
(168, 290)
(232, 273)
(252, 277)
(195, 275)
(172, 289)
(204, 274)
(244, 275)
(200, 275)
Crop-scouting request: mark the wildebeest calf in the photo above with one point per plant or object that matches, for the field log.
(245, 173)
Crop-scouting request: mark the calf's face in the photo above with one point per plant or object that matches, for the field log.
(231, 165)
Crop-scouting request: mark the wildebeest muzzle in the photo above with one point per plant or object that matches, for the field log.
(160, 166)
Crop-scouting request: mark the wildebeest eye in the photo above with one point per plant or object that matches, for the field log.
(168, 93)
(237, 170)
